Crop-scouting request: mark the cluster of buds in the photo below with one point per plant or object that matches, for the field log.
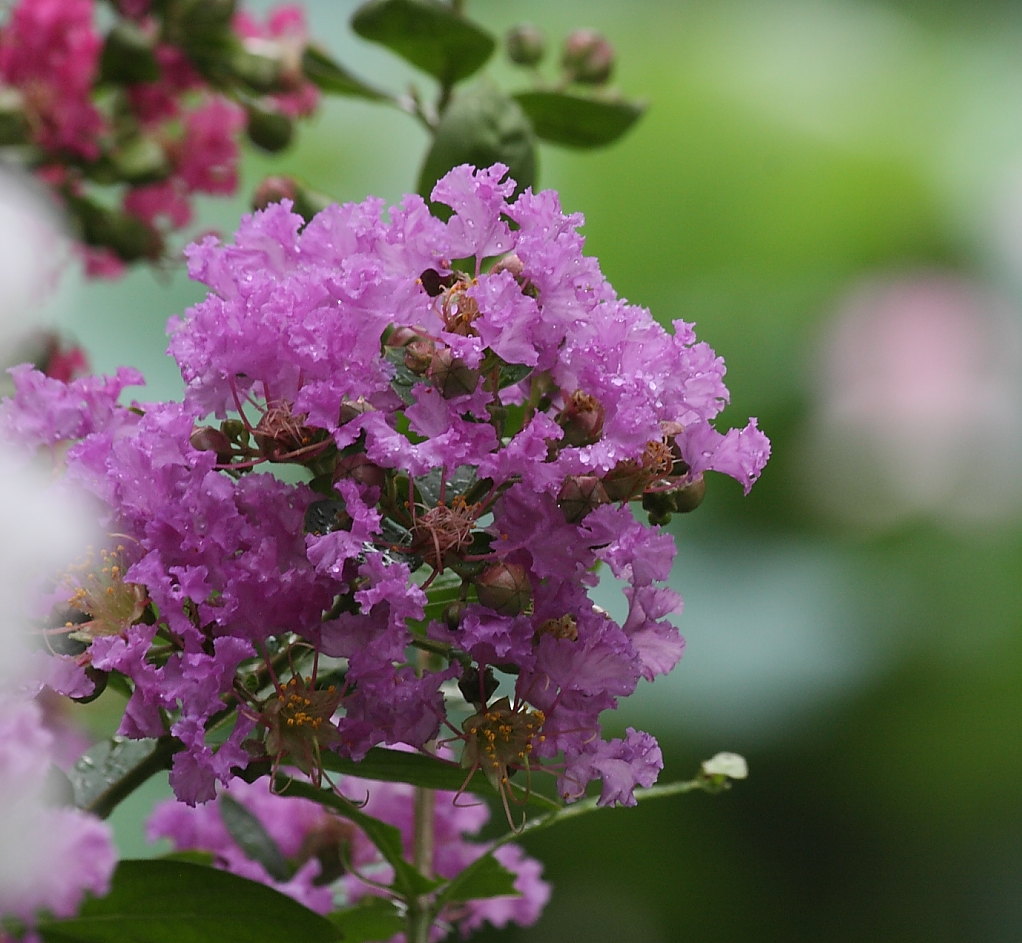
(587, 57)
(126, 126)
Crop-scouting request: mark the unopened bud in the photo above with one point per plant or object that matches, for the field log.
(451, 375)
(400, 336)
(690, 497)
(359, 468)
(129, 55)
(273, 190)
(581, 419)
(477, 687)
(626, 480)
(659, 506)
(579, 495)
(419, 355)
(208, 439)
(525, 44)
(505, 588)
(587, 57)
(508, 263)
(351, 409)
(268, 127)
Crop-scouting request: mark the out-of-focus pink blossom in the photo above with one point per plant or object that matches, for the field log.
(918, 404)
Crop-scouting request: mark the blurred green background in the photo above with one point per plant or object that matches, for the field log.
(833, 192)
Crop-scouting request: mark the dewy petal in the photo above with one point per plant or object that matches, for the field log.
(740, 453)
(478, 198)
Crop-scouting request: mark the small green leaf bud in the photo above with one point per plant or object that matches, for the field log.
(525, 44)
(267, 127)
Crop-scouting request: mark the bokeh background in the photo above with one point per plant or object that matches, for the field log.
(832, 190)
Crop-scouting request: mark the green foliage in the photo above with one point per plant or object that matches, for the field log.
(330, 76)
(175, 901)
(372, 918)
(430, 35)
(481, 126)
(577, 121)
(253, 839)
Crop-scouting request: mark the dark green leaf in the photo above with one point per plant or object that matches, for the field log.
(114, 765)
(331, 76)
(404, 379)
(129, 237)
(575, 121)
(428, 34)
(253, 839)
(482, 126)
(177, 902)
(430, 772)
(408, 881)
(128, 55)
(452, 483)
(484, 877)
(373, 918)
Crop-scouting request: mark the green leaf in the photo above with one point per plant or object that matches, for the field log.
(574, 121)
(373, 918)
(253, 839)
(444, 590)
(330, 76)
(408, 881)
(176, 902)
(481, 126)
(110, 770)
(430, 35)
(430, 772)
(484, 877)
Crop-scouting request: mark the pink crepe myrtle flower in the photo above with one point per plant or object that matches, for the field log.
(476, 432)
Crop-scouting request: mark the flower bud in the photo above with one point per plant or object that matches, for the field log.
(359, 468)
(273, 190)
(400, 336)
(587, 57)
(453, 614)
(476, 687)
(236, 431)
(690, 497)
(579, 495)
(451, 375)
(352, 409)
(208, 439)
(505, 588)
(508, 263)
(268, 127)
(626, 480)
(525, 44)
(419, 355)
(581, 419)
(658, 505)
(129, 55)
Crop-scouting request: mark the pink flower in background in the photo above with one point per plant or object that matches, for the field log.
(284, 36)
(918, 403)
(50, 51)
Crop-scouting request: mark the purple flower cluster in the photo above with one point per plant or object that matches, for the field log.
(465, 418)
(322, 859)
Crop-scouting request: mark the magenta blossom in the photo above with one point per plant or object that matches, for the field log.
(468, 444)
